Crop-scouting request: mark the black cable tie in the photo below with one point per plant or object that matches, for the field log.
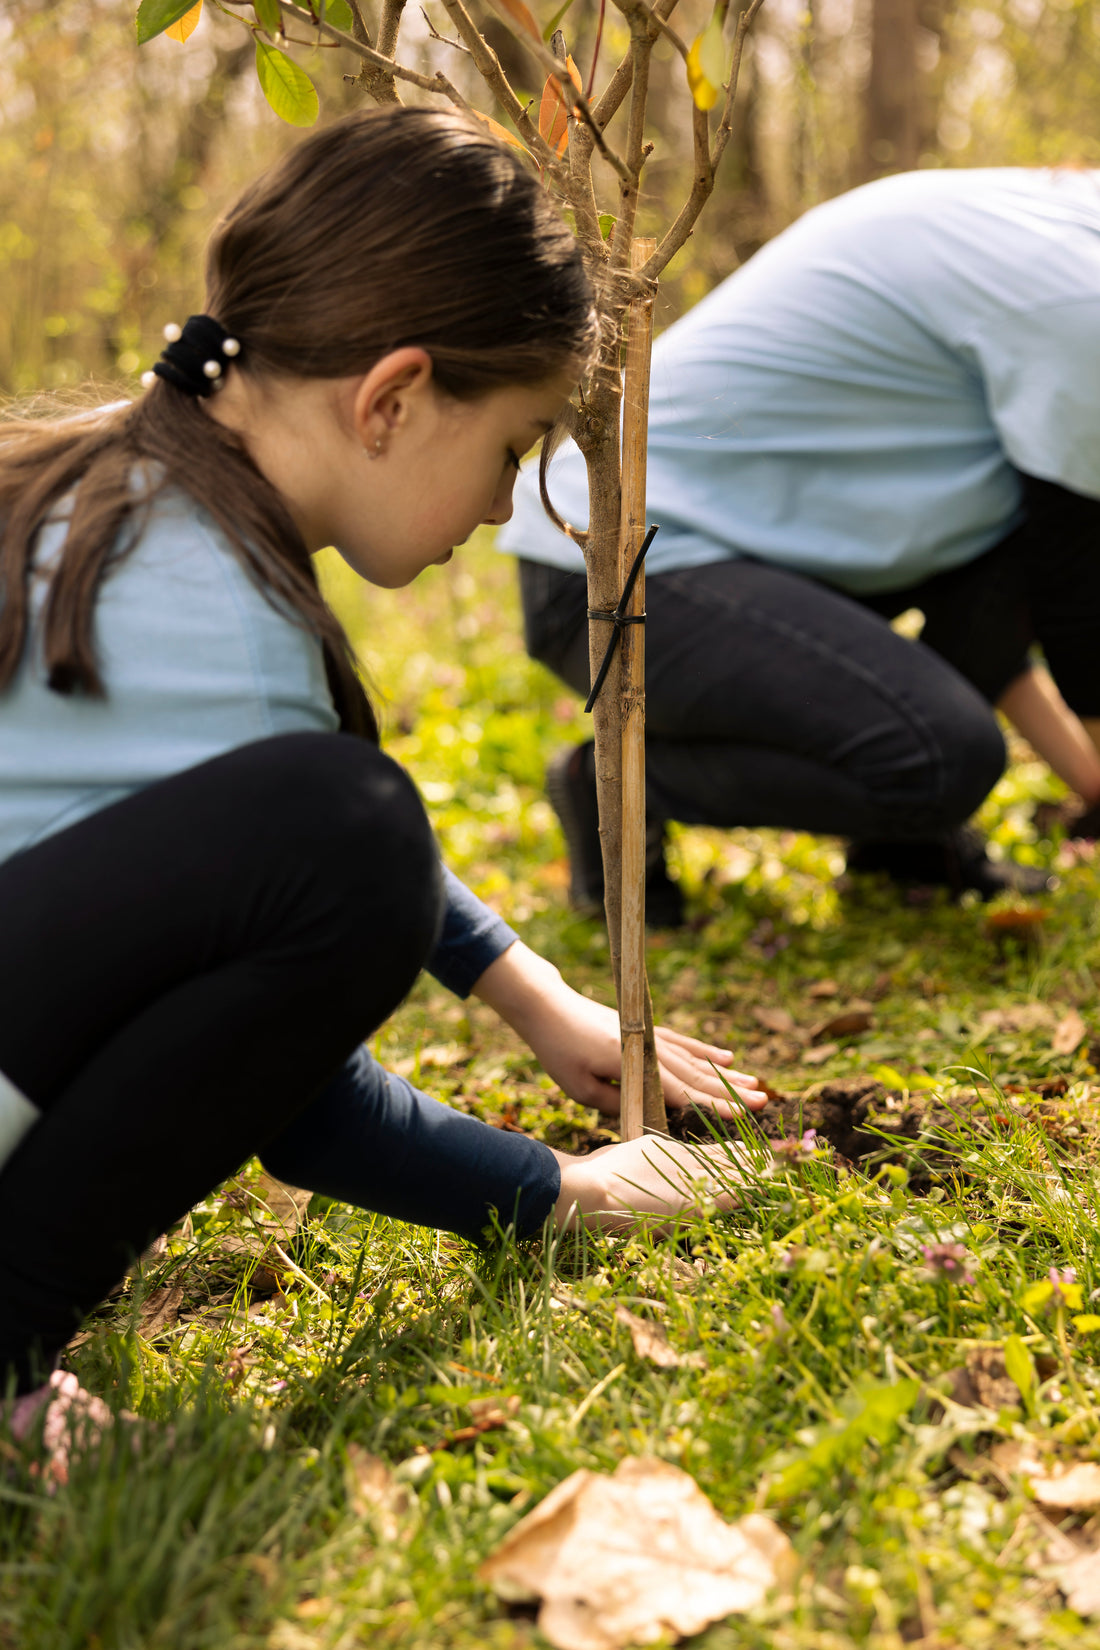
(619, 618)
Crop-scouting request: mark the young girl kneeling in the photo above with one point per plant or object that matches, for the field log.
(213, 884)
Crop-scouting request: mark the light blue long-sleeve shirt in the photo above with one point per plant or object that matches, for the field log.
(855, 402)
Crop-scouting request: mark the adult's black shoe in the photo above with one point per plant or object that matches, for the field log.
(571, 786)
(957, 861)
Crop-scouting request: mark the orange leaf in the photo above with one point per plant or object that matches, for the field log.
(563, 142)
(555, 108)
(501, 132)
(519, 13)
(553, 114)
(188, 23)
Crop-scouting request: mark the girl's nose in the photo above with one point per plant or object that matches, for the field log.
(500, 510)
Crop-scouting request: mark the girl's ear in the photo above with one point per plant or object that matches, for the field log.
(386, 396)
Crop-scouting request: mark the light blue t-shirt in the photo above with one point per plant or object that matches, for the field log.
(195, 662)
(854, 403)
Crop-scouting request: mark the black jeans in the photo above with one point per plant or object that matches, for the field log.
(772, 699)
(185, 978)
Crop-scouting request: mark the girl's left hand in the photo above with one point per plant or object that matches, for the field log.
(576, 1041)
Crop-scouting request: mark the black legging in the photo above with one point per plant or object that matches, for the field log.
(179, 975)
(772, 699)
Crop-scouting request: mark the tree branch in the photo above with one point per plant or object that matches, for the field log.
(725, 125)
(489, 67)
(706, 157)
(437, 83)
(572, 94)
(630, 8)
(619, 84)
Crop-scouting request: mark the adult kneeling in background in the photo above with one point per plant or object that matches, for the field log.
(895, 405)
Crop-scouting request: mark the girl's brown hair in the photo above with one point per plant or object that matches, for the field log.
(401, 226)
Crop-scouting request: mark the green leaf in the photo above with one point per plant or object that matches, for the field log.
(555, 21)
(874, 1409)
(1019, 1367)
(268, 15)
(336, 12)
(288, 89)
(607, 224)
(1087, 1323)
(154, 16)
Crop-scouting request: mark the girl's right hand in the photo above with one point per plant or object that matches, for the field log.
(648, 1181)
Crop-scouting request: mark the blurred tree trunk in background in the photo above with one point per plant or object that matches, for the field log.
(113, 162)
(891, 134)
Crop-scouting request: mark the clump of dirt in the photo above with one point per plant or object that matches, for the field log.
(863, 1120)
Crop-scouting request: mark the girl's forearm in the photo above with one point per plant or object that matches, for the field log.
(1037, 710)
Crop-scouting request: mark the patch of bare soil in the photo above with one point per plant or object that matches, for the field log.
(864, 1122)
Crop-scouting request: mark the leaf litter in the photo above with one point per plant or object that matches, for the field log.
(627, 1558)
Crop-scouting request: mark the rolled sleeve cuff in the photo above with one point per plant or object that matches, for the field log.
(473, 936)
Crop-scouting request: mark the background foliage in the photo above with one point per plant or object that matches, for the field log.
(239, 1523)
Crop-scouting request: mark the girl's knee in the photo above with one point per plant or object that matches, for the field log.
(340, 805)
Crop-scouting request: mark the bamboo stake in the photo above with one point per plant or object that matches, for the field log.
(634, 991)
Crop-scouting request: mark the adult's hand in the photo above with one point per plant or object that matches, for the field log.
(577, 1041)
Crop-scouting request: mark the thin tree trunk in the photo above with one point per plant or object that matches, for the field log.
(642, 1105)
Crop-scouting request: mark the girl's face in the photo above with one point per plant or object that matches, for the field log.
(428, 470)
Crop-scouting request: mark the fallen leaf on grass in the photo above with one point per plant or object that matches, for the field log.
(1071, 1486)
(281, 1205)
(490, 1415)
(1067, 1486)
(857, 1017)
(824, 988)
(373, 1493)
(818, 1056)
(1069, 1033)
(773, 1019)
(626, 1559)
(1023, 919)
(159, 1312)
(1079, 1580)
(985, 1381)
(651, 1342)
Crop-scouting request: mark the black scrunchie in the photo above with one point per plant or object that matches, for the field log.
(197, 360)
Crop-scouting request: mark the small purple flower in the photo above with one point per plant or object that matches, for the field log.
(793, 1152)
(779, 1322)
(1061, 1283)
(948, 1260)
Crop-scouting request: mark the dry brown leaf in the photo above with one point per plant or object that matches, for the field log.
(857, 1017)
(1071, 1486)
(818, 1056)
(159, 1312)
(985, 1381)
(824, 988)
(373, 1493)
(1016, 1458)
(282, 1205)
(1069, 1033)
(773, 1019)
(651, 1342)
(625, 1559)
(1079, 1580)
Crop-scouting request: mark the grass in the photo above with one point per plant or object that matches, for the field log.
(830, 1349)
